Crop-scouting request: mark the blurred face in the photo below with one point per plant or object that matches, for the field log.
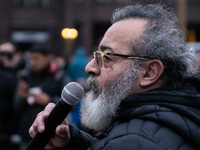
(39, 61)
(114, 80)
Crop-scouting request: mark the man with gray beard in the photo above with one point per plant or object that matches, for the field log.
(144, 94)
(108, 100)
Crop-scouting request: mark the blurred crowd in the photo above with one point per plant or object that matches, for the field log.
(29, 80)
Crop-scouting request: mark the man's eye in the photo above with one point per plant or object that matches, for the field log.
(105, 59)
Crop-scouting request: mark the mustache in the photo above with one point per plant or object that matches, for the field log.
(93, 83)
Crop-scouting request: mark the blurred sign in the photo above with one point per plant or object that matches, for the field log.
(30, 36)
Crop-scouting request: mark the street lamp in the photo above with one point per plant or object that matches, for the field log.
(69, 33)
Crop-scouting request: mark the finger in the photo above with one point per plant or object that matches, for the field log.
(62, 131)
(34, 128)
(32, 131)
(61, 138)
(48, 110)
(38, 125)
(50, 145)
(42, 116)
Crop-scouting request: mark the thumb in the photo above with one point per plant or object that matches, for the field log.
(63, 131)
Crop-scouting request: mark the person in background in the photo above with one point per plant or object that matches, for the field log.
(11, 62)
(7, 89)
(40, 84)
(11, 59)
(143, 91)
(76, 66)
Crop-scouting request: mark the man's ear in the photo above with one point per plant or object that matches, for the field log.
(153, 69)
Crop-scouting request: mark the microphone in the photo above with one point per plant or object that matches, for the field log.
(72, 93)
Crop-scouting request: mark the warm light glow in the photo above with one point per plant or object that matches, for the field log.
(68, 33)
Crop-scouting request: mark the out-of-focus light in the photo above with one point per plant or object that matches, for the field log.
(69, 33)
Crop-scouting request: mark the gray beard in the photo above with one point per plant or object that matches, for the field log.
(97, 113)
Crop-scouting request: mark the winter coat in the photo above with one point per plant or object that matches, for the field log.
(166, 118)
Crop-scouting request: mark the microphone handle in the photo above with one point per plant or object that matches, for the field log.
(56, 117)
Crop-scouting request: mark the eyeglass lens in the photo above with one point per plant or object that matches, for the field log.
(98, 60)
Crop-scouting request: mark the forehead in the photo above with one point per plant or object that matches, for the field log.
(122, 33)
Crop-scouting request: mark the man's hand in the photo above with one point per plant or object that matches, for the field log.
(41, 98)
(62, 133)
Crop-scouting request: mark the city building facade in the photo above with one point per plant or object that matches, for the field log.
(26, 22)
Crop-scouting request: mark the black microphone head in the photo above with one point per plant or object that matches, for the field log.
(72, 93)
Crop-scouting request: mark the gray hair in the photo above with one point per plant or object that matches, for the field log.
(162, 39)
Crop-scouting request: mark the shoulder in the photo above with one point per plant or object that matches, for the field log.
(142, 134)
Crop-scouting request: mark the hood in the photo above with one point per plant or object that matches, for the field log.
(186, 95)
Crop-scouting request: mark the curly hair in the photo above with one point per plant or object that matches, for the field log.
(162, 39)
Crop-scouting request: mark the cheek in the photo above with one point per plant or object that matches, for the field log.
(107, 75)
(111, 74)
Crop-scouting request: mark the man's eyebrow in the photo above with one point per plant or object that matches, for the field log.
(104, 47)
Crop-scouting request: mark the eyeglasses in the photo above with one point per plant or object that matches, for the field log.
(98, 55)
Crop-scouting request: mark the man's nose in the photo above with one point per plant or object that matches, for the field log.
(91, 68)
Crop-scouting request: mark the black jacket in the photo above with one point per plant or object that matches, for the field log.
(7, 89)
(161, 119)
(51, 80)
